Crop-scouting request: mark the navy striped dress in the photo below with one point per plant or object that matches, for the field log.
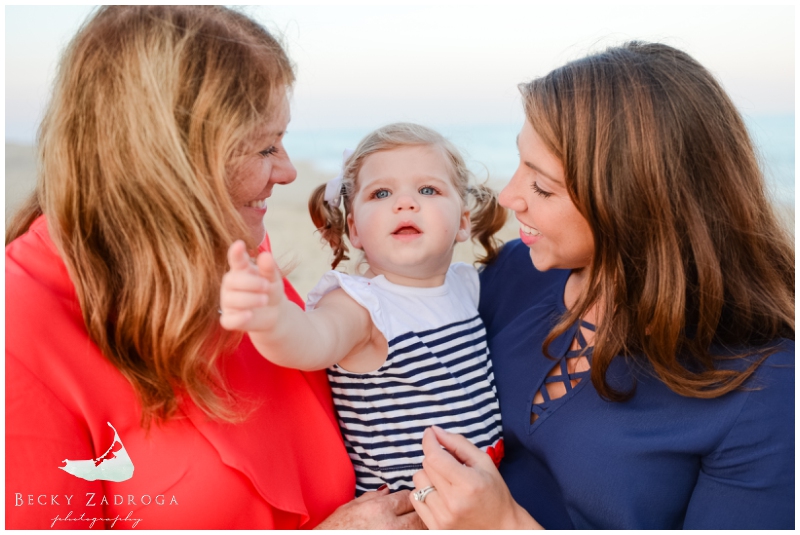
(437, 372)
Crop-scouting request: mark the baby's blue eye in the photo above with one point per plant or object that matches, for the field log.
(427, 190)
(381, 193)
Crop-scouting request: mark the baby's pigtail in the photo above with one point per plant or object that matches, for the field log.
(487, 218)
(330, 223)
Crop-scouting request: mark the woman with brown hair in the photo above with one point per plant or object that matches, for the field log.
(645, 361)
(159, 148)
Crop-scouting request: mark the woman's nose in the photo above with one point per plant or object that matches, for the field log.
(283, 171)
(510, 196)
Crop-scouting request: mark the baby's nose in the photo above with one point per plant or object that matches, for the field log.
(405, 202)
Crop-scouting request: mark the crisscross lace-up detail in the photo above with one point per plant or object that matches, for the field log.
(560, 382)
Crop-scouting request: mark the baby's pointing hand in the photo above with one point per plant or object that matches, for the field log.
(250, 294)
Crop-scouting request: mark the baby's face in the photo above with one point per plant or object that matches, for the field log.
(407, 215)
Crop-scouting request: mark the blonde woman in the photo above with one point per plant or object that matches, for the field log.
(160, 147)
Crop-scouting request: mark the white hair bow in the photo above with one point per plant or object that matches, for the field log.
(333, 189)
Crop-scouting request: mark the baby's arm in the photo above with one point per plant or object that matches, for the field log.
(253, 299)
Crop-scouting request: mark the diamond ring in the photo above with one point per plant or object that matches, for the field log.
(421, 494)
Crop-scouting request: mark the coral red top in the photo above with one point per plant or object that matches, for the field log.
(284, 467)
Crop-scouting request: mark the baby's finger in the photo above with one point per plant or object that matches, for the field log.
(268, 268)
(235, 301)
(235, 320)
(244, 281)
(238, 258)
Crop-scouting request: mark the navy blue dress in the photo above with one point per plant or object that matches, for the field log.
(659, 460)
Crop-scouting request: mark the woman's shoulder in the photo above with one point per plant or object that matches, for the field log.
(511, 285)
(514, 264)
(774, 377)
(763, 406)
(776, 357)
(753, 461)
(39, 290)
(32, 252)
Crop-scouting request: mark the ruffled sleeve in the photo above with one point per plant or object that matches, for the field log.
(359, 289)
(465, 276)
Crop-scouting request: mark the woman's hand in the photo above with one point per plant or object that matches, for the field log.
(470, 492)
(375, 510)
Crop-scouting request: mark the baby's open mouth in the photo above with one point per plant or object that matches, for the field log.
(406, 228)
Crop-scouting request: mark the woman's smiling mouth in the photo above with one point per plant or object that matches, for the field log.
(528, 235)
(258, 204)
(530, 231)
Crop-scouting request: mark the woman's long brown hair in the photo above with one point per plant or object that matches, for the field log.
(690, 260)
(137, 159)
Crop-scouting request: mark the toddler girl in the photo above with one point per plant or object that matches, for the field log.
(403, 344)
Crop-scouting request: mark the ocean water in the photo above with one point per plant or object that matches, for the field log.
(490, 150)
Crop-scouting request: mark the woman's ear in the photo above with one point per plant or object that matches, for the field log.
(355, 240)
(464, 228)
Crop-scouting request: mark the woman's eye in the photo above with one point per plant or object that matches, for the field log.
(381, 194)
(427, 190)
(269, 151)
(539, 191)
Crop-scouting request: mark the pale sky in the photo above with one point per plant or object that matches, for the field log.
(444, 65)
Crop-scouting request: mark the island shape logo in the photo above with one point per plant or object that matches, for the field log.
(113, 465)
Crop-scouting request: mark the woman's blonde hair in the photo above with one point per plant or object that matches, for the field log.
(487, 217)
(689, 255)
(150, 105)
